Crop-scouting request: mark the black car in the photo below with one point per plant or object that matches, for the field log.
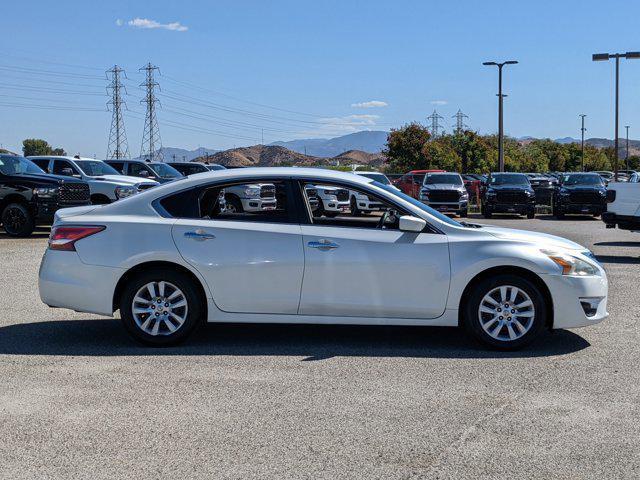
(159, 171)
(583, 193)
(508, 193)
(29, 196)
(189, 168)
(544, 187)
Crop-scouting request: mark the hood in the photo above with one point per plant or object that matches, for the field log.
(541, 240)
(513, 188)
(442, 186)
(124, 179)
(49, 178)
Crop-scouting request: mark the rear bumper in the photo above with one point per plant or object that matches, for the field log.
(569, 293)
(65, 282)
(624, 222)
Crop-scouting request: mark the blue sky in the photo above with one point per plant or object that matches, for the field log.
(297, 69)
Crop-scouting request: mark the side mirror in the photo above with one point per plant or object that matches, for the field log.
(67, 172)
(409, 223)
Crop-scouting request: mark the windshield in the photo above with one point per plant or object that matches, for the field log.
(10, 165)
(378, 177)
(165, 171)
(448, 179)
(510, 179)
(95, 168)
(593, 179)
(215, 167)
(418, 204)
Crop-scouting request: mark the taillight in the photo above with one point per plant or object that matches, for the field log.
(64, 238)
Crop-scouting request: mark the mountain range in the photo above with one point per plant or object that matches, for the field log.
(372, 141)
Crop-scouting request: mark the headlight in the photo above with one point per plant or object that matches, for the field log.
(464, 196)
(252, 192)
(570, 265)
(124, 191)
(45, 192)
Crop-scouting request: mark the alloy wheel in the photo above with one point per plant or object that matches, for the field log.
(159, 308)
(506, 313)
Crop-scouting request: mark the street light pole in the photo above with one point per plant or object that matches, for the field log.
(582, 130)
(597, 57)
(500, 111)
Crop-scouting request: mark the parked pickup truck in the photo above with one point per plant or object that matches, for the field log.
(623, 205)
(258, 197)
(445, 192)
(583, 193)
(331, 201)
(28, 196)
(106, 184)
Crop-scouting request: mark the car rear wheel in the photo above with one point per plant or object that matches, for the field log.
(161, 307)
(505, 312)
(17, 220)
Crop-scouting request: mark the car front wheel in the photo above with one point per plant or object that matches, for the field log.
(505, 312)
(17, 220)
(161, 307)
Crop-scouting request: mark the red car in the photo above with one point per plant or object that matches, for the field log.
(411, 182)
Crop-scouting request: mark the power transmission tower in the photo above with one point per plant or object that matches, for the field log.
(151, 149)
(435, 123)
(460, 125)
(118, 147)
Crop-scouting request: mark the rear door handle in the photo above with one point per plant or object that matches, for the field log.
(323, 245)
(199, 235)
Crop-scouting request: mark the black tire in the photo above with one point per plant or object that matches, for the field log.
(531, 214)
(471, 315)
(486, 212)
(17, 220)
(353, 204)
(331, 214)
(100, 200)
(194, 313)
(320, 210)
(234, 205)
(558, 213)
(464, 213)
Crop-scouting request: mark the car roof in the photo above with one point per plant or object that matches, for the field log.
(64, 157)
(428, 171)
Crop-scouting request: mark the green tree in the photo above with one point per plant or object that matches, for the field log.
(405, 146)
(440, 154)
(37, 146)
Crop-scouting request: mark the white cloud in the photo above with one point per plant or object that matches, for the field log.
(370, 104)
(438, 102)
(152, 24)
(334, 126)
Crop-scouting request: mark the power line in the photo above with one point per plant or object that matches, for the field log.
(435, 123)
(151, 143)
(117, 146)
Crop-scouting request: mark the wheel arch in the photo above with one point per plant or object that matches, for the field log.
(513, 270)
(142, 267)
(12, 198)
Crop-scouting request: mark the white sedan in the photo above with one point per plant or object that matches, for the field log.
(170, 258)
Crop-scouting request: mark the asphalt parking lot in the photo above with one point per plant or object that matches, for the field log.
(78, 399)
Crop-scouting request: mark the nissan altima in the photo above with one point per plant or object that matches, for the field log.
(174, 257)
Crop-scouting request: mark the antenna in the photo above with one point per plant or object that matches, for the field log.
(151, 147)
(435, 123)
(460, 125)
(117, 146)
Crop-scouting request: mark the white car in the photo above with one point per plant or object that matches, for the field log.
(623, 205)
(332, 200)
(360, 203)
(106, 184)
(170, 258)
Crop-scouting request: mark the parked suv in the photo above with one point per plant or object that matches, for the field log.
(189, 168)
(445, 192)
(254, 197)
(159, 171)
(543, 186)
(28, 196)
(508, 193)
(106, 184)
(580, 193)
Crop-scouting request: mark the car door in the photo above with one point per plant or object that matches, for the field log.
(252, 262)
(363, 271)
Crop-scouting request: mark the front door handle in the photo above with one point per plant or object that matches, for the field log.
(199, 235)
(323, 245)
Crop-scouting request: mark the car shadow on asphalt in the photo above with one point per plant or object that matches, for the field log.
(107, 337)
(621, 259)
(617, 244)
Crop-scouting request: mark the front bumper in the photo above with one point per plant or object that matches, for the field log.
(335, 205)
(521, 208)
(582, 208)
(65, 282)
(259, 204)
(447, 206)
(569, 292)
